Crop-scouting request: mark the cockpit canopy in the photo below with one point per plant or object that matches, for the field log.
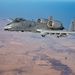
(19, 20)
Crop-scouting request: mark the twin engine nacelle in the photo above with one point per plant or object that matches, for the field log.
(41, 20)
(52, 24)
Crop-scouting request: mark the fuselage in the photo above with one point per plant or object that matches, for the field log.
(43, 26)
(24, 26)
(27, 25)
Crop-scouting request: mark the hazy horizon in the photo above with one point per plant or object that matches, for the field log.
(63, 11)
(29, 53)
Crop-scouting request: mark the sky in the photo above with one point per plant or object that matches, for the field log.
(62, 10)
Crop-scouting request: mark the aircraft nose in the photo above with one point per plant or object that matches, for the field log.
(7, 27)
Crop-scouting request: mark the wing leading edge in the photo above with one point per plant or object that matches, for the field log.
(57, 32)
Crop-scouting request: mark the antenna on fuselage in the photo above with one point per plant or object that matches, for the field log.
(50, 18)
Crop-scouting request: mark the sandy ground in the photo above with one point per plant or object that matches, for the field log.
(30, 54)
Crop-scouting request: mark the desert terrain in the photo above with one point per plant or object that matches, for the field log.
(30, 54)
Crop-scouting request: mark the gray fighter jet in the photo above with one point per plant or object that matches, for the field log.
(42, 26)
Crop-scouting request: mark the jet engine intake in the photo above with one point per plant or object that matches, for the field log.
(41, 20)
(55, 25)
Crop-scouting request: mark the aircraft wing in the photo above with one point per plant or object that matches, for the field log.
(43, 32)
(9, 19)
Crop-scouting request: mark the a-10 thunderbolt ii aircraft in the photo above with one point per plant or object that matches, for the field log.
(42, 26)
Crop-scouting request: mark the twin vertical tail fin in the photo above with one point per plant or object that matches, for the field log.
(72, 26)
